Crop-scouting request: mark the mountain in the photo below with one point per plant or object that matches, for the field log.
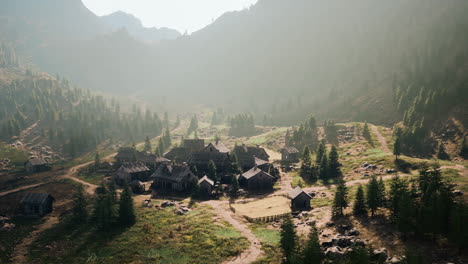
(282, 59)
(135, 28)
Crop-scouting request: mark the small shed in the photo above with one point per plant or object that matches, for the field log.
(36, 204)
(36, 165)
(300, 199)
(206, 186)
(290, 155)
(256, 179)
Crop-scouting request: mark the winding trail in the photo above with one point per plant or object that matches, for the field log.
(254, 250)
(381, 139)
(20, 254)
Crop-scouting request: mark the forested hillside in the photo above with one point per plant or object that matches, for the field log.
(73, 119)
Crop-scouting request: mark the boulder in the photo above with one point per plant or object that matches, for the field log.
(7, 227)
(352, 232)
(330, 224)
(179, 212)
(167, 204)
(457, 193)
(394, 260)
(342, 241)
(358, 242)
(343, 228)
(327, 244)
(380, 254)
(334, 253)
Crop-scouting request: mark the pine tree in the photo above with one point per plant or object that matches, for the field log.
(359, 207)
(235, 167)
(97, 161)
(397, 147)
(382, 192)
(333, 163)
(79, 211)
(212, 171)
(372, 196)
(341, 198)
(320, 151)
(147, 144)
(306, 154)
(104, 212)
(312, 253)
(464, 148)
(234, 186)
(195, 189)
(126, 211)
(112, 192)
(441, 153)
(288, 239)
(324, 167)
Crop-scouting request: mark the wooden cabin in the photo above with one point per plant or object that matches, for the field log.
(178, 154)
(216, 146)
(36, 165)
(290, 155)
(300, 199)
(36, 204)
(206, 186)
(193, 145)
(170, 177)
(202, 159)
(129, 172)
(256, 179)
(246, 155)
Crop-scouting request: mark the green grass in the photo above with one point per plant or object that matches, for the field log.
(270, 239)
(454, 176)
(9, 239)
(159, 236)
(93, 178)
(16, 156)
(318, 202)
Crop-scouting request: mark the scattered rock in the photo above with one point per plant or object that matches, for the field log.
(179, 212)
(394, 260)
(334, 253)
(330, 224)
(167, 203)
(358, 242)
(7, 227)
(327, 244)
(343, 228)
(380, 254)
(352, 232)
(458, 193)
(342, 241)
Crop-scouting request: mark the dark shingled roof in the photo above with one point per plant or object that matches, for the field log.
(260, 162)
(205, 178)
(37, 162)
(133, 168)
(296, 192)
(290, 150)
(35, 198)
(254, 172)
(196, 144)
(173, 173)
(220, 159)
(246, 154)
(218, 145)
(178, 153)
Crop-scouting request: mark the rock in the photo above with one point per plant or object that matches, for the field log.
(352, 232)
(7, 227)
(185, 209)
(334, 253)
(364, 165)
(179, 212)
(358, 242)
(380, 254)
(342, 241)
(323, 194)
(458, 193)
(330, 224)
(390, 171)
(394, 260)
(343, 228)
(167, 204)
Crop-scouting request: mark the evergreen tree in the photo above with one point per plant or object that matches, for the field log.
(167, 138)
(126, 211)
(104, 212)
(112, 192)
(312, 253)
(397, 147)
(359, 207)
(97, 161)
(324, 167)
(235, 167)
(234, 186)
(340, 201)
(382, 192)
(288, 239)
(320, 151)
(334, 164)
(441, 154)
(147, 144)
(212, 171)
(459, 229)
(306, 154)
(373, 198)
(79, 211)
(464, 148)
(195, 189)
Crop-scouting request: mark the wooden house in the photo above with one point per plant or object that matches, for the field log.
(36, 204)
(36, 165)
(129, 172)
(290, 155)
(246, 155)
(170, 177)
(193, 145)
(300, 199)
(178, 154)
(131, 155)
(202, 159)
(256, 179)
(216, 146)
(206, 186)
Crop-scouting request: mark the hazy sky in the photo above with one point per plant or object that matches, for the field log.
(190, 15)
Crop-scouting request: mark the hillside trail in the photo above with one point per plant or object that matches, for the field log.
(381, 139)
(254, 251)
(27, 131)
(21, 250)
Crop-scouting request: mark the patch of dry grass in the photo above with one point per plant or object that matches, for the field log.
(265, 207)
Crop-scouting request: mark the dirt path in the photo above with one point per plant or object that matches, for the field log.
(381, 139)
(22, 188)
(254, 251)
(21, 250)
(27, 131)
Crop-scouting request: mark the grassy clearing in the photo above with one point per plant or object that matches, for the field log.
(270, 239)
(9, 239)
(318, 202)
(265, 207)
(104, 150)
(454, 176)
(16, 156)
(159, 236)
(93, 178)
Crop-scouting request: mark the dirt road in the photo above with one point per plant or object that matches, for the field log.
(21, 250)
(254, 250)
(381, 139)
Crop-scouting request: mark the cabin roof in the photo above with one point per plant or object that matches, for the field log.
(37, 162)
(173, 173)
(206, 157)
(296, 192)
(218, 145)
(290, 150)
(35, 198)
(254, 172)
(133, 168)
(206, 179)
